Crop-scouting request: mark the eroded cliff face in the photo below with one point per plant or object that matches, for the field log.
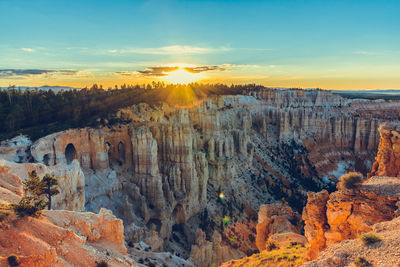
(347, 214)
(384, 253)
(387, 161)
(70, 179)
(164, 170)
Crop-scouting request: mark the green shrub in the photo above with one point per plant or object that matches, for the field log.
(350, 181)
(26, 207)
(102, 264)
(270, 245)
(370, 238)
(13, 260)
(361, 262)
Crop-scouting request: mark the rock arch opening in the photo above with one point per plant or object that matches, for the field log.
(46, 159)
(70, 153)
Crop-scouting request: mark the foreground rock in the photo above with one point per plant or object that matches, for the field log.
(70, 179)
(64, 238)
(382, 254)
(279, 223)
(343, 215)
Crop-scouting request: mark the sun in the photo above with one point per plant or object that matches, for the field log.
(182, 76)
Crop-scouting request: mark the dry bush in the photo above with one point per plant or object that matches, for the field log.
(350, 181)
(370, 238)
(361, 262)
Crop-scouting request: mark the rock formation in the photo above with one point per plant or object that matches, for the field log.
(347, 214)
(387, 161)
(211, 253)
(64, 238)
(274, 219)
(70, 178)
(315, 220)
(163, 172)
(346, 253)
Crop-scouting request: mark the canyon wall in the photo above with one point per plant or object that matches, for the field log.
(165, 169)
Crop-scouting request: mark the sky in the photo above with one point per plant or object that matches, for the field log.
(278, 43)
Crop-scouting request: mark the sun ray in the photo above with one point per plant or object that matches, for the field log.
(182, 76)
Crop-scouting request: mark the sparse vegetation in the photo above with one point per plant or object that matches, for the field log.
(270, 245)
(27, 206)
(350, 181)
(101, 264)
(49, 188)
(5, 210)
(370, 238)
(35, 189)
(283, 257)
(13, 260)
(361, 262)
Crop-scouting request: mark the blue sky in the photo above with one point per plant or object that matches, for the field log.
(329, 44)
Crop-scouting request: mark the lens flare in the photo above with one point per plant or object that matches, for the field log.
(221, 195)
(226, 220)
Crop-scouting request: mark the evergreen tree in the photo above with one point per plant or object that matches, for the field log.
(49, 188)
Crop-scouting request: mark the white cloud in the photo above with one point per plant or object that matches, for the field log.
(171, 50)
(28, 49)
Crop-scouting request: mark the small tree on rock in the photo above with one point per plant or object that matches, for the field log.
(35, 190)
(49, 188)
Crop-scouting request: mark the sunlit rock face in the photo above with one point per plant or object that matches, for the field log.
(387, 161)
(64, 238)
(164, 170)
(347, 214)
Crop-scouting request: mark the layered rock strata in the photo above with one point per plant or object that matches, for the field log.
(165, 169)
(347, 214)
(348, 252)
(387, 161)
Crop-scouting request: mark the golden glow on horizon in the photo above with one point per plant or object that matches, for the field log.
(182, 76)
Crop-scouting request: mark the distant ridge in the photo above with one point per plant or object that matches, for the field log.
(55, 88)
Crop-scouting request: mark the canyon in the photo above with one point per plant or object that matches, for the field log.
(188, 183)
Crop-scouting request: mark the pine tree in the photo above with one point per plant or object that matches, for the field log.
(49, 188)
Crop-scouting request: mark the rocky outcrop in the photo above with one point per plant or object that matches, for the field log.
(64, 238)
(71, 182)
(387, 161)
(211, 253)
(316, 223)
(274, 219)
(346, 253)
(349, 213)
(15, 149)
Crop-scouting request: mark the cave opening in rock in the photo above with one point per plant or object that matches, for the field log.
(108, 147)
(154, 224)
(70, 153)
(121, 153)
(46, 159)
